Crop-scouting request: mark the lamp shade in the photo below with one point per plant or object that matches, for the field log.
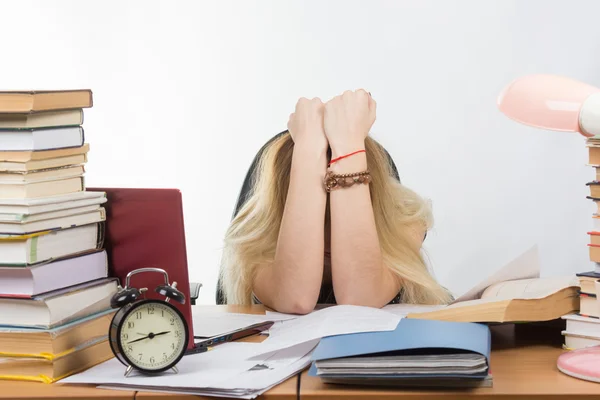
(553, 102)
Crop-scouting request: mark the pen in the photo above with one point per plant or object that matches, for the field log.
(204, 345)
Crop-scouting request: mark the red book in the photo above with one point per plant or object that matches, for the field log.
(144, 228)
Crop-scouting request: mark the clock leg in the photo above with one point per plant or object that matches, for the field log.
(128, 371)
(174, 368)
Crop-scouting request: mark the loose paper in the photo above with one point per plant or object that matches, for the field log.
(335, 320)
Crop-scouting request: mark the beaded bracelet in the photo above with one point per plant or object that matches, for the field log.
(334, 181)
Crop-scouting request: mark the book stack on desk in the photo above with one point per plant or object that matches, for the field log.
(54, 286)
(593, 145)
(583, 328)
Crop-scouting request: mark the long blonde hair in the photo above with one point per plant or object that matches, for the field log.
(251, 238)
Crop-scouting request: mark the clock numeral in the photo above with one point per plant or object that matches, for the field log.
(173, 321)
(152, 360)
(129, 348)
(173, 346)
(125, 336)
(140, 356)
(162, 313)
(177, 333)
(138, 315)
(165, 355)
(150, 310)
(130, 325)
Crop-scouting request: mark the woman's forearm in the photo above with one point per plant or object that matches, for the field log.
(358, 272)
(292, 282)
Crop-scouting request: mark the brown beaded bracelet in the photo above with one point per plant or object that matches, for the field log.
(334, 181)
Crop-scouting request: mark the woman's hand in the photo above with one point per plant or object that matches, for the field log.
(306, 124)
(347, 120)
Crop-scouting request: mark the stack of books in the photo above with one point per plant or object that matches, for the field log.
(583, 328)
(54, 286)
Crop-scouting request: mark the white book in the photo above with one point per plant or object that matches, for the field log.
(41, 138)
(578, 324)
(23, 209)
(596, 223)
(7, 228)
(24, 250)
(575, 341)
(43, 278)
(59, 307)
(41, 189)
(20, 218)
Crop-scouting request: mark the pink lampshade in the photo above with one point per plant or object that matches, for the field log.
(552, 102)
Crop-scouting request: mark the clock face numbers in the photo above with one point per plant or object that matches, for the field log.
(152, 336)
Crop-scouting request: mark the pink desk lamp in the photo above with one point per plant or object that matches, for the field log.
(560, 104)
(554, 103)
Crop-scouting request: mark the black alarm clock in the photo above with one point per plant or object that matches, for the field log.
(149, 336)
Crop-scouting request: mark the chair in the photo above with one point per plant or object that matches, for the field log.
(247, 185)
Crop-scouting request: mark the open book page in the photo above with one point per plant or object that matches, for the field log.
(529, 288)
(526, 266)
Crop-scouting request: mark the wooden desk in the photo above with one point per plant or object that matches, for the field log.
(42, 391)
(287, 390)
(523, 365)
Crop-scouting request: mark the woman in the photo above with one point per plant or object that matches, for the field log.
(305, 237)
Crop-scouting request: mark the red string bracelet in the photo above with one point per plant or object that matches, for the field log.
(347, 155)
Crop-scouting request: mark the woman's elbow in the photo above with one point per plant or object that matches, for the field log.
(302, 305)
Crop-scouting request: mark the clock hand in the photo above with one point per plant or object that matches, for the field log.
(137, 340)
(150, 336)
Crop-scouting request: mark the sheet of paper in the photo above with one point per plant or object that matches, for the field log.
(272, 367)
(403, 310)
(253, 379)
(200, 370)
(276, 378)
(336, 320)
(525, 266)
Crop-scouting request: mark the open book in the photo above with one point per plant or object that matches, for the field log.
(513, 294)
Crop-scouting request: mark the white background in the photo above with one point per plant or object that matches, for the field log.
(186, 92)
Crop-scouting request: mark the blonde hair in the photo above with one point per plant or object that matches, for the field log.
(251, 238)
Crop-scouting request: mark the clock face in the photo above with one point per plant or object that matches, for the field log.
(152, 335)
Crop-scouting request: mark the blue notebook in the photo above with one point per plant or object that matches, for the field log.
(380, 357)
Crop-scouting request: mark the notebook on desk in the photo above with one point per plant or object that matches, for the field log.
(145, 228)
(416, 353)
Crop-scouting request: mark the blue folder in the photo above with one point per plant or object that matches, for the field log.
(425, 336)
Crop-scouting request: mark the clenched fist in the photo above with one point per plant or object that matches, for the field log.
(347, 120)
(306, 125)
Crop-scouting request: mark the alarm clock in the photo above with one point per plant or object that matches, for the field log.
(146, 335)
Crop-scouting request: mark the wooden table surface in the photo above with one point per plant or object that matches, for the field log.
(42, 391)
(523, 366)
